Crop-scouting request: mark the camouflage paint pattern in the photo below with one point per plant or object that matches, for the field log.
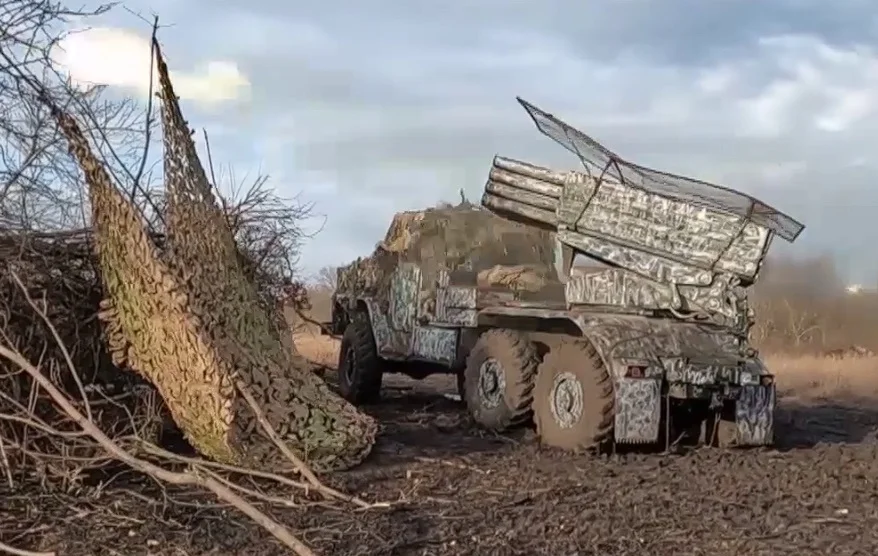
(679, 231)
(457, 305)
(754, 415)
(616, 287)
(649, 266)
(638, 410)
(622, 338)
(431, 343)
(624, 217)
(405, 289)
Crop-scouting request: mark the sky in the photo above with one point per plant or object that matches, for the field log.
(368, 107)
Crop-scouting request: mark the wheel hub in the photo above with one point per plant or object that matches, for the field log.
(566, 400)
(492, 383)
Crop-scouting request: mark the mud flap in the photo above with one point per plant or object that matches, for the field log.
(754, 415)
(638, 410)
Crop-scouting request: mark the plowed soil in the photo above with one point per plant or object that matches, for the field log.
(456, 490)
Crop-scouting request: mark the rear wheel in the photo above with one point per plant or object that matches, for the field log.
(359, 366)
(461, 385)
(574, 403)
(720, 433)
(499, 378)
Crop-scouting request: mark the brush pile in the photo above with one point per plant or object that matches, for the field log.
(50, 295)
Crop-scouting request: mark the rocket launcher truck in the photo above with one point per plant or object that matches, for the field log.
(650, 347)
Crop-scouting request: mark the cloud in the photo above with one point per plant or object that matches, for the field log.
(370, 108)
(121, 58)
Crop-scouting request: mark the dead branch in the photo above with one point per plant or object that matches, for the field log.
(6, 549)
(171, 477)
(298, 464)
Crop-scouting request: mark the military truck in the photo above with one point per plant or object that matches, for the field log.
(650, 347)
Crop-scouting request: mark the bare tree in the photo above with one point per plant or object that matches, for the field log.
(327, 278)
(40, 189)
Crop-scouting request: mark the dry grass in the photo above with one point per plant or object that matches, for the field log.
(322, 350)
(814, 377)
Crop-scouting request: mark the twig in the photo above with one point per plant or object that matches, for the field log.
(299, 465)
(6, 467)
(57, 337)
(6, 549)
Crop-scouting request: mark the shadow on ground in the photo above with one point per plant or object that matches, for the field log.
(805, 424)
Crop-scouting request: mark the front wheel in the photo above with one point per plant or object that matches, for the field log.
(359, 366)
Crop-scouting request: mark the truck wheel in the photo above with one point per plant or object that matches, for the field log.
(574, 401)
(359, 367)
(461, 385)
(498, 380)
(719, 433)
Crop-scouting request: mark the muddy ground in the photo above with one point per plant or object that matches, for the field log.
(456, 490)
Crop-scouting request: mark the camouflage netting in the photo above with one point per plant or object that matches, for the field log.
(161, 327)
(314, 421)
(459, 237)
(56, 270)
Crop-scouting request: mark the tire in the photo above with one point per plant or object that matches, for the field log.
(359, 366)
(719, 433)
(511, 360)
(461, 385)
(574, 366)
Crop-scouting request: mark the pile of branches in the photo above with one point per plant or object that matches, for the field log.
(50, 296)
(67, 414)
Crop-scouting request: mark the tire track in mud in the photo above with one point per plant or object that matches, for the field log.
(816, 493)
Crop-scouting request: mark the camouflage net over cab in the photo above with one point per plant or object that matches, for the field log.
(460, 237)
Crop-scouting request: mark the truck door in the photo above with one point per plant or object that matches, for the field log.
(405, 286)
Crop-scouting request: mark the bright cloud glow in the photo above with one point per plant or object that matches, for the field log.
(121, 58)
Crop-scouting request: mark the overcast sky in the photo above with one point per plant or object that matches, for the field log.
(369, 107)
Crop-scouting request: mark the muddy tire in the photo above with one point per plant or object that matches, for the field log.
(461, 385)
(719, 433)
(499, 378)
(359, 366)
(574, 403)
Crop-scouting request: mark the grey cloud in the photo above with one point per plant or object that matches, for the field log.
(398, 105)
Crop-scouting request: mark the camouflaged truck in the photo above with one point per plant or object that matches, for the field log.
(650, 348)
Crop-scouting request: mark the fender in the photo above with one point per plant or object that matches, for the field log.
(390, 344)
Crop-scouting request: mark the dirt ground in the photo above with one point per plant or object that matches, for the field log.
(456, 490)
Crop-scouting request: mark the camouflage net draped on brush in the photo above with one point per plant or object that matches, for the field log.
(193, 324)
